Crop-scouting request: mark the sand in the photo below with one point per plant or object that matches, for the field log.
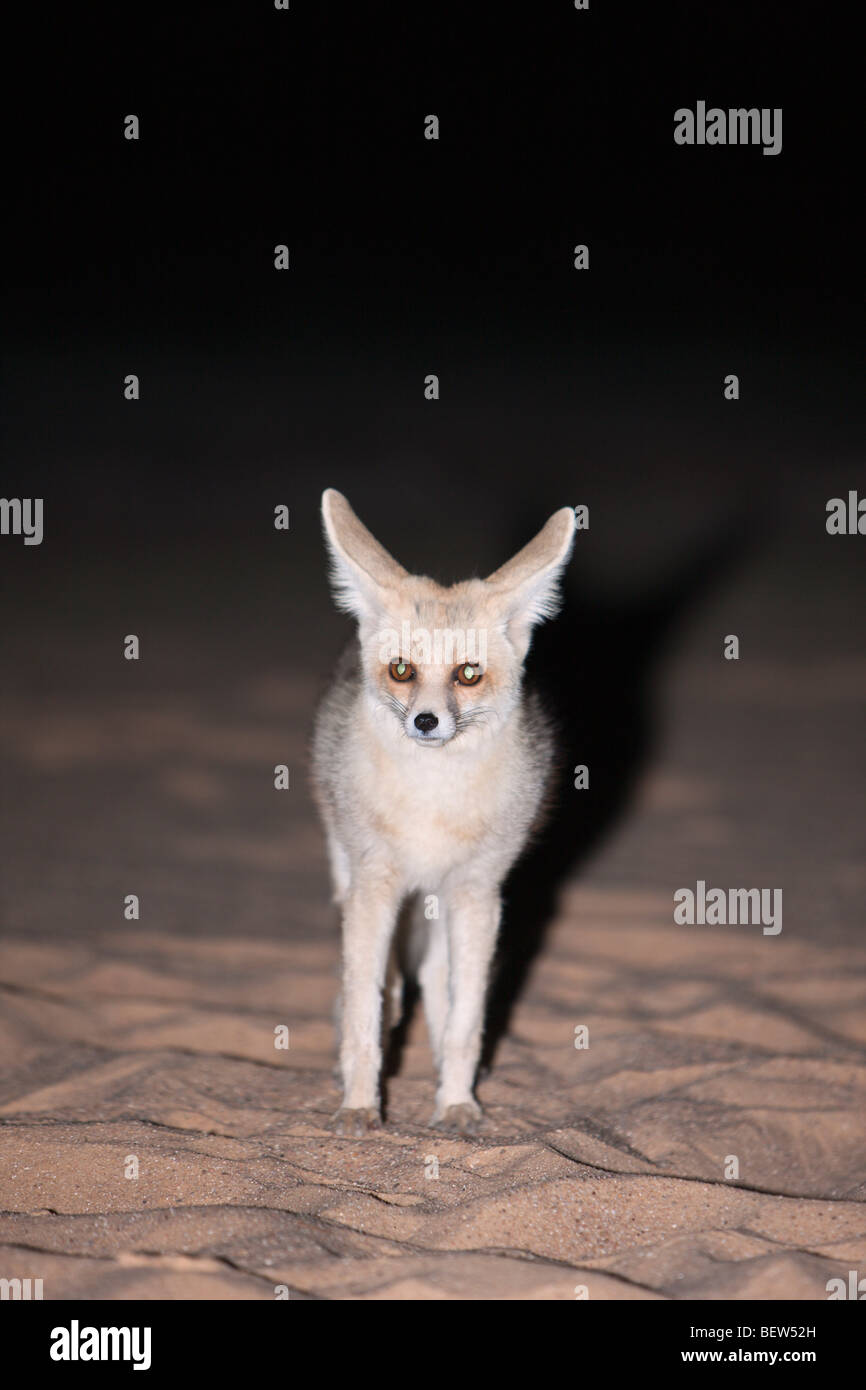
(708, 1143)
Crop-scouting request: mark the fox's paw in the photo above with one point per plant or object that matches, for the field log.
(465, 1118)
(355, 1122)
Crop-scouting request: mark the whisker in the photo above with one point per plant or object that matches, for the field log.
(480, 715)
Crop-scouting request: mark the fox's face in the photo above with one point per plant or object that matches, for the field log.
(442, 666)
(438, 663)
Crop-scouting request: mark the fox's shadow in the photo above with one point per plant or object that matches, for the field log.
(595, 665)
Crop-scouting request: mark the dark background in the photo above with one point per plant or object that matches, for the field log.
(408, 257)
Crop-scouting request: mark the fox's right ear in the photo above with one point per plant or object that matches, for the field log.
(362, 571)
(527, 586)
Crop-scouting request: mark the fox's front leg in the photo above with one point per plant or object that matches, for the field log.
(369, 917)
(472, 926)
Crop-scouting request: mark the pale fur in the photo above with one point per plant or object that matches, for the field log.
(406, 818)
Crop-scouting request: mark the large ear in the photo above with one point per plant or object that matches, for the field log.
(361, 568)
(527, 586)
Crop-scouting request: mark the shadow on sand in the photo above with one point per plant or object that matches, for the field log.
(595, 666)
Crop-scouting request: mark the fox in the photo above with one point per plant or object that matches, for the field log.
(431, 768)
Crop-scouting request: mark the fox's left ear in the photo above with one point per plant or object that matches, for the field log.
(527, 587)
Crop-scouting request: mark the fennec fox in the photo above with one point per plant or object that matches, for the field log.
(430, 768)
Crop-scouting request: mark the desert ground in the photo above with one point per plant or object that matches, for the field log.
(708, 1143)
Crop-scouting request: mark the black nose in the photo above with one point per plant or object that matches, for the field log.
(425, 722)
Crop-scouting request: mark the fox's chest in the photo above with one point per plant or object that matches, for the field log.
(436, 817)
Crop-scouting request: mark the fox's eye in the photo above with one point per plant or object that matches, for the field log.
(401, 671)
(467, 675)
